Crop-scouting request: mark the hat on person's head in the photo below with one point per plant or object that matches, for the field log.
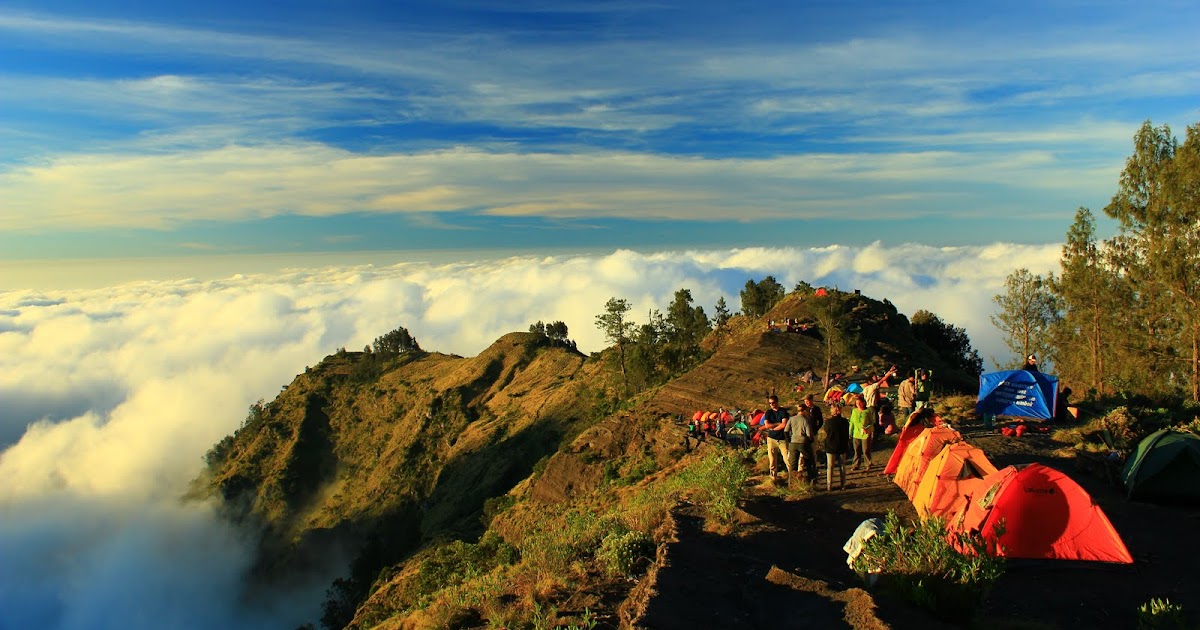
(1032, 357)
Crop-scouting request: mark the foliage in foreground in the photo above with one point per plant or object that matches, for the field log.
(1160, 613)
(920, 563)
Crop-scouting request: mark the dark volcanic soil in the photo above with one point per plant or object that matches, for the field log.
(728, 581)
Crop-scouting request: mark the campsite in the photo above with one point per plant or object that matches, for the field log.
(1030, 593)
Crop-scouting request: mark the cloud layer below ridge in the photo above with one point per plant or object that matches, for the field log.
(113, 395)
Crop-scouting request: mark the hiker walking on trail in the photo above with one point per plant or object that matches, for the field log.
(861, 431)
(803, 431)
(774, 426)
(837, 442)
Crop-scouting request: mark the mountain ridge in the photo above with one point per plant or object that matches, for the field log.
(366, 458)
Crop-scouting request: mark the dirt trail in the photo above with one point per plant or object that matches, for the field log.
(716, 581)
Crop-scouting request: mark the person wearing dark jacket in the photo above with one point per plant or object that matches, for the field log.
(1030, 364)
(803, 429)
(837, 442)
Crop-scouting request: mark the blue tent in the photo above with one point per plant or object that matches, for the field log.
(854, 388)
(1017, 393)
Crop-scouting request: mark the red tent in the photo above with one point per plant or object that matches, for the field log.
(1045, 515)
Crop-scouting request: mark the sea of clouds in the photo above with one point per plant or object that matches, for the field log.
(110, 397)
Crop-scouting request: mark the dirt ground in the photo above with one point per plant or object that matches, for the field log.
(728, 581)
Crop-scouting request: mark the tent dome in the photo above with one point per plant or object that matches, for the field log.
(1165, 468)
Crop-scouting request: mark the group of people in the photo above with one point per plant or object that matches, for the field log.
(722, 424)
(794, 441)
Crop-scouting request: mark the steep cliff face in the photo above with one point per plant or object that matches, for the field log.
(363, 448)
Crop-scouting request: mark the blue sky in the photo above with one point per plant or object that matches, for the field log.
(164, 129)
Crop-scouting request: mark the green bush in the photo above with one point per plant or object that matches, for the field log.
(1160, 613)
(718, 480)
(457, 561)
(624, 554)
(921, 564)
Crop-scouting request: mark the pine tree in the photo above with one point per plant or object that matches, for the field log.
(1092, 292)
(617, 330)
(1028, 309)
(720, 321)
(1158, 206)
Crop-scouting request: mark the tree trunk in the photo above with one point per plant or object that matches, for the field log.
(1097, 376)
(828, 360)
(624, 377)
(1195, 364)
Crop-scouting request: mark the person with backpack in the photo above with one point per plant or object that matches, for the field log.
(906, 396)
(924, 389)
(737, 434)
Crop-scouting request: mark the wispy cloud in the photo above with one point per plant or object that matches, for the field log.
(239, 183)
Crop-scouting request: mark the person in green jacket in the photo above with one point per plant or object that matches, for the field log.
(861, 431)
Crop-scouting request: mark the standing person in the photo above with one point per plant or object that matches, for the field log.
(870, 395)
(1030, 364)
(906, 396)
(861, 431)
(803, 431)
(837, 442)
(924, 389)
(774, 427)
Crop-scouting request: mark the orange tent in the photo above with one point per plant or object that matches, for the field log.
(945, 477)
(1045, 515)
(909, 434)
(916, 458)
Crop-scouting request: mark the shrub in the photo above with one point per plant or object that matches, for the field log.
(455, 562)
(719, 479)
(1160, 613)
(1123, 426)
(922, 564)
(625, 554)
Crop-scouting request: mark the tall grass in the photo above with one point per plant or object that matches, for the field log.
(717, 482)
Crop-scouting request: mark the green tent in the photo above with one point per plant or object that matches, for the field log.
(1165, 468)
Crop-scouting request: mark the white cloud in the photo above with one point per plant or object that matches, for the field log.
(123, 389)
